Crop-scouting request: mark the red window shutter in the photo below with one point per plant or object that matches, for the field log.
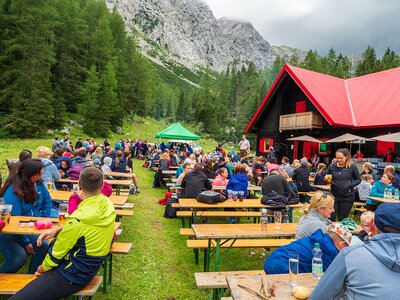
(301, 106)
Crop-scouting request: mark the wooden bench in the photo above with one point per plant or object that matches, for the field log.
(125, 206)
(359, 207)
(116, 248)
(123, 213)
(10, 284)
(215, 214)
(240, 243)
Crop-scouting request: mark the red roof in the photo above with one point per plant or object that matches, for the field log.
(371, 100)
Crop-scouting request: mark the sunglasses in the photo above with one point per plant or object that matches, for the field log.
(325, 194)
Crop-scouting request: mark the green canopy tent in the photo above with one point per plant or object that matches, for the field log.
(178, 132)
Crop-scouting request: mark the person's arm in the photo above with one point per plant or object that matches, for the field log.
(54, 172)
(294, 176)
(183, 184)
(207, 183)
(47, 203)
(66, 240)
(375, 192)
(356, 176)
(332, 284)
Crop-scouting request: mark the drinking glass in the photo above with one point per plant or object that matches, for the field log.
(62, 213)
(277, 220)
(229, 195)
(241, 195)
(75, 188)
(5, 212)
(293, 268)
(49, 185)
(234, 195)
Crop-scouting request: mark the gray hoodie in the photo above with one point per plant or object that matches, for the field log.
(370, 271)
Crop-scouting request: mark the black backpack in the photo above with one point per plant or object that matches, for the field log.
(210, 197)
(170, 212)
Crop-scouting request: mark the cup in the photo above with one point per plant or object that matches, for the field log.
(241, 195)
(75, 188)
(277, 219)
(5, 213)
(49, 185)
(62, 213)
(234, 195)
(293, 268)
(328, 179)
(229, 195)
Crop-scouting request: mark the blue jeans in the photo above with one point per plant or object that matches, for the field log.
(14, 254)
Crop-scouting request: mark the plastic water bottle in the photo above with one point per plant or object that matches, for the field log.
(264, 219)
(396, 194)
(317, 262)
(385, 193)
(389, 194)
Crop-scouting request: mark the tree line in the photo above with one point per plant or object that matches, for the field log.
(73, 59)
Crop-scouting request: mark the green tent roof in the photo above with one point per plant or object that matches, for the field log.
(177, 131)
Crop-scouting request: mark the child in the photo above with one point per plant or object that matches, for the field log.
(378, 190)
(368, 225)
(364, 188)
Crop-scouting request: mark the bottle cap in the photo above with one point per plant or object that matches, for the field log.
(316, 245)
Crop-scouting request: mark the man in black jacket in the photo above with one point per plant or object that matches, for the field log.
(195, 182)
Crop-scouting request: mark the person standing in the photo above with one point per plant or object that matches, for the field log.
(389, 156)
(345, 177)
(244, 146)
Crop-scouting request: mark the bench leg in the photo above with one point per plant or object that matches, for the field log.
(207, 257)
(107, 273)
(196, 256)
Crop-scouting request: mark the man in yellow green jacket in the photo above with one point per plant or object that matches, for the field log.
(80, 247)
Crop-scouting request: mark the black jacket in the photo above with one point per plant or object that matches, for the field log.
(195, 182)
(344, 180)
(277, 183)
(301, 176)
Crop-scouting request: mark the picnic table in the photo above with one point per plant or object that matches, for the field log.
(117, 183)
(13, 226)
(64, 196)
(232, 232)
(193, 204)
(324, 187)
(118, 174)
(383, 200)
(169, 172)
(283, 291)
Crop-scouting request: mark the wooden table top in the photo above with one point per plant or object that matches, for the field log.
(112, 182)
(169, 172)
(13, 227)
(283, 291)
(246, 203)
(383, 200)
(249, 188)
(232, 231)
(325, 187)
(118, 174)
(64, 196)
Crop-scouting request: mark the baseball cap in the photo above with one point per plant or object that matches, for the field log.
(341, 231)
(387, 217)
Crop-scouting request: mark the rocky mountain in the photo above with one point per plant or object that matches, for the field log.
(187, 32)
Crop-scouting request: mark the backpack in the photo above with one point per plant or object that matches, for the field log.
(74, 172)
(210, 197)
(170, 212)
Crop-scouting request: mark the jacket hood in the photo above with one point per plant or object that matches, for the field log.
(325, 242)
(80, 159)
(97, 210)
(385, 248)
(107, 161)
(46, 162)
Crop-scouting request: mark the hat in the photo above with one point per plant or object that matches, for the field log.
(341, 231)
(387, 217)
(304, 161)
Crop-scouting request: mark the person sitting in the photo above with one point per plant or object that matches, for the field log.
(58, 156)
(391, 169)
(81, 246)
(259, 167)
(238, 181)
(318, 213)
(187, 167)
(220, 164)
(389, 156)
(315, 161)
(80, 160)
(64, 172)
(358, 155)
(221, 177)
(369, 271)
(285, 166)
(301, 176)
(272, 164)
(208, 170)
(50, 172)
(195, 182)
(367, 225)
(336, 238)
(119, 164)
(97, 155)
(319, 178)
(365, 187)
(368, 168)
(276, 182)
(13, 167)
(28, 196)
(378, 190)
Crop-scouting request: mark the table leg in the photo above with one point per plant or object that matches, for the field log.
(291, 215)
(207, 257)
(217, 252)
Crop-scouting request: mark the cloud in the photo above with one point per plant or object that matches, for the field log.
(347, 26)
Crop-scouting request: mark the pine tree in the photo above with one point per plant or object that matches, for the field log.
(369, 62)
(389, 60)
(181, 110)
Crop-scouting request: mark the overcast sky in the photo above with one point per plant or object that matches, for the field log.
(348, 26)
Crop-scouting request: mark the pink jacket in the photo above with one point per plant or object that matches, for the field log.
(75, 199)
(220, 181)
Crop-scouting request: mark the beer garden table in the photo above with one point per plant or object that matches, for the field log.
(117, 183)
(64, 196)
(233, 232)
(383, 200)
(193, 204)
